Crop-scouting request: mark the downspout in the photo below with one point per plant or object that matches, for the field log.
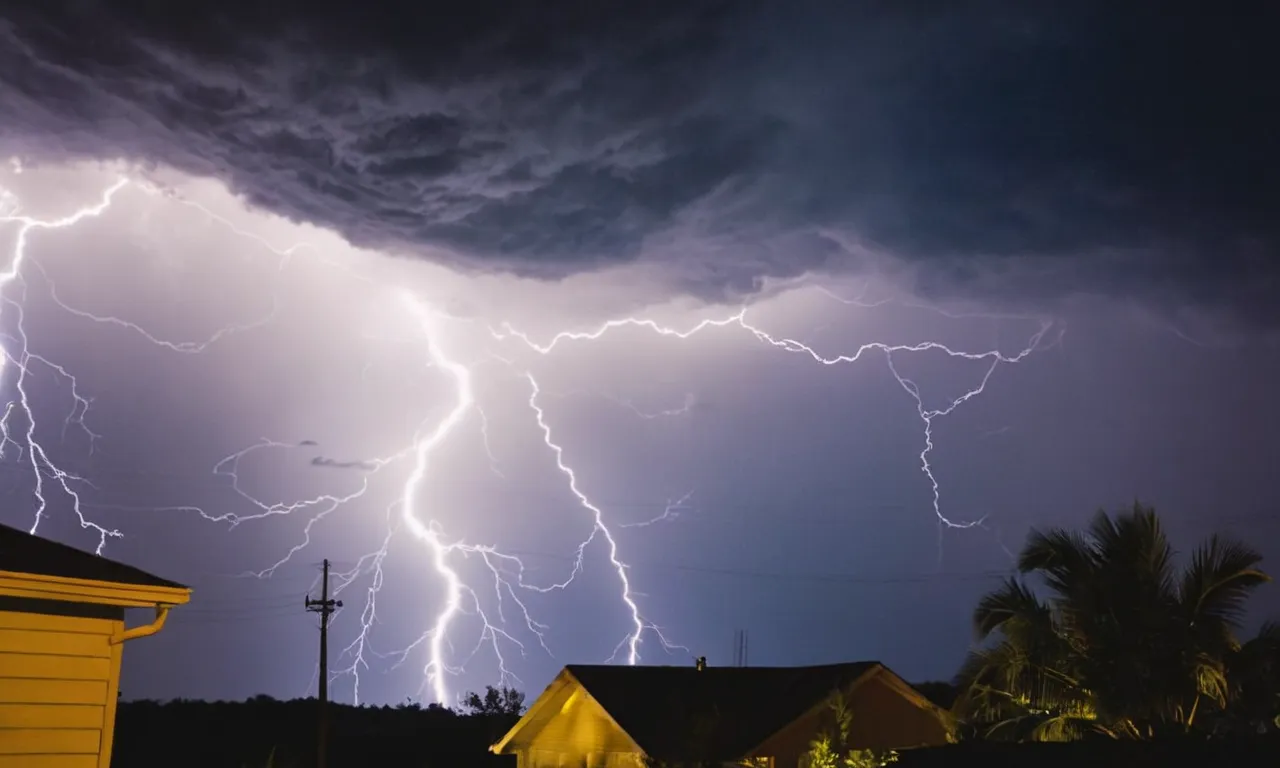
(146, 630)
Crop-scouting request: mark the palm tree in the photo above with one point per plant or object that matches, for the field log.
(1255, 674)
(1125, 645)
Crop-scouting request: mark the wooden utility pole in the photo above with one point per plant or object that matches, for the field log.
(325, 607)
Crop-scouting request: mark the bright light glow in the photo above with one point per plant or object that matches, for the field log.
(435, 332)
(409, 504)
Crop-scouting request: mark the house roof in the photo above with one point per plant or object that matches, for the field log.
(717, 712)
(22, 552)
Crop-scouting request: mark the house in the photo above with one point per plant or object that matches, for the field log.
(62, 632)
(621, 717)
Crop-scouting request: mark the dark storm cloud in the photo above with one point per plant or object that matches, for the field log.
(1008, 149)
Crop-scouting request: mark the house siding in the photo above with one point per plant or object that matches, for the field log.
(59, 676)
(881, 719)
(576, 733)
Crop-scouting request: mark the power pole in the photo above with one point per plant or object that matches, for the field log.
(325, 607)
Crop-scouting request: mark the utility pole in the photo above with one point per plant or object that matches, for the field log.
(325, 607)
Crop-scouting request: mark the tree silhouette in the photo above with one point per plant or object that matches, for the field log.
(1255, 674)
(281, 734)
(1125, 645)
(500, 702)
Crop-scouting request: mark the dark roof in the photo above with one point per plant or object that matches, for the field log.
(22, 552)
(716, 713)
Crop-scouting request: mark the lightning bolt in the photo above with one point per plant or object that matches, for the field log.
(369, 564)
(739, 319)
(506, 585)
(429, 534)
(686, 407)
(21, 358)
(507, 571)
(670, 512)
(633, 638)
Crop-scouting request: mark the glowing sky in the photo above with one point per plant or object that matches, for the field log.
(855, 181)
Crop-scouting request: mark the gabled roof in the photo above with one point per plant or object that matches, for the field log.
(716, 712)
(21, 552)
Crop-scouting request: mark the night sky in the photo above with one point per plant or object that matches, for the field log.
(338, 249)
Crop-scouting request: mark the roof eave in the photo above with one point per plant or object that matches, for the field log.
(587, 692)
(558, 682)
(915, 697)
(44, 587)
(566, 677)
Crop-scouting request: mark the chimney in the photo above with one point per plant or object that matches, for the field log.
(700, 663)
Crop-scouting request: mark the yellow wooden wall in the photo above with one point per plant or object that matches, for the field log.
(59, 679)
(575, 732)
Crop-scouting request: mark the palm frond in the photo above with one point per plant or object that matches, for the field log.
(1013, 729)
(1133, 548)
(1063, 557)
(1211, 679)
(1006, 680)
(1066, 728)
(1269, 632)
(1220, 578)
(1010, 607)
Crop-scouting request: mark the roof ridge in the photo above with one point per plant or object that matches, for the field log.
(739, 706)
(709, 667)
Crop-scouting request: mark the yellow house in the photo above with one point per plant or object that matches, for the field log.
(61, 636)
(622, 717)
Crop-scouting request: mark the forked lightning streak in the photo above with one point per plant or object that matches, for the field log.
(507, 586)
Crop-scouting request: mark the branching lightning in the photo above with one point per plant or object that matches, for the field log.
(670, 512)
(505, 586)
(739, 319)
(632, 640)
(42, 465)
(430, 534)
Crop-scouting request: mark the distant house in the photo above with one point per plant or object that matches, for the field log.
(61, 636)
(619, 717)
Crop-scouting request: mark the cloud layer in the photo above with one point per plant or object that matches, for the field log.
(997, 152)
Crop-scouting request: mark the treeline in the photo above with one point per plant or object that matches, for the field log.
(267, 733)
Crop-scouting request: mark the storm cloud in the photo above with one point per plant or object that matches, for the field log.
(324, 461)
(1003, 150)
